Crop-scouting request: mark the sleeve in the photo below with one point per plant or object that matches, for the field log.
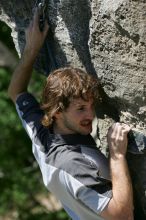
(30, 114)
(84, 183)
(96, 198)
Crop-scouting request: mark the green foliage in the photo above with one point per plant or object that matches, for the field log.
(20, 178)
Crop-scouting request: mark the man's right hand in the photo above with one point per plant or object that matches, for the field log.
(34, 37)
(22, 74)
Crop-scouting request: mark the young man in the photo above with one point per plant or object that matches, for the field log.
(72, 167)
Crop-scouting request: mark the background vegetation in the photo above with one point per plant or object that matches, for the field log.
(20, 178)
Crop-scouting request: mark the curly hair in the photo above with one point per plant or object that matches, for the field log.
(62, 86)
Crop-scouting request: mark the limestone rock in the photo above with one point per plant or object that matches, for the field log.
(107, 38)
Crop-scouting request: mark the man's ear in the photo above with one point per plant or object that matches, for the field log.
(58, 111)
(57, 114)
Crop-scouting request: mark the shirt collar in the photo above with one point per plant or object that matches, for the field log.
(71, 139)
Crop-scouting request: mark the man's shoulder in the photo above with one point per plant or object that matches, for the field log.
(25, 98)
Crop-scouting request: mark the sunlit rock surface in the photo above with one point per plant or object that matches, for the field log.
(108, 39)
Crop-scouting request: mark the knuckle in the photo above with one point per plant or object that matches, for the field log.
(121, 139)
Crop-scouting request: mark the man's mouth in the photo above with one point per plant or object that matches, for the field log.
(86, 123)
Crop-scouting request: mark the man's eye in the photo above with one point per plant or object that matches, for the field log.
(81, 108)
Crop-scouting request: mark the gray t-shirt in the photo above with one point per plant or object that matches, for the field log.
(72, 167)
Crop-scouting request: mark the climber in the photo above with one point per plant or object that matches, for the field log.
(72, 167)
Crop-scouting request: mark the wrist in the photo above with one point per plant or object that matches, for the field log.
(117, 156)
(27, 59)
(29, 55)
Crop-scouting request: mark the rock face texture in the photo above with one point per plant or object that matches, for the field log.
(106, 38)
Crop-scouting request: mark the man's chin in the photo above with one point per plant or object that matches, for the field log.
(86, 132)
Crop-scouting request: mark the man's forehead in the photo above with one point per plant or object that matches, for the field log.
(80, 101)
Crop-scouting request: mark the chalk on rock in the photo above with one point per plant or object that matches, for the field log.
(136, 142)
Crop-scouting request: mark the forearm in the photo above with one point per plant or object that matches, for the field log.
(120, 207)
(21, 76)
(122, 187)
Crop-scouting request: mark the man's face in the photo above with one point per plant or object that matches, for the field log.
(77, 118)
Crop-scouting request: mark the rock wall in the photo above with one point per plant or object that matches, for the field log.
(118, 49)
(106, 38)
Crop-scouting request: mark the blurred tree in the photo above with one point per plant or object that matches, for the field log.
(20, 179)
